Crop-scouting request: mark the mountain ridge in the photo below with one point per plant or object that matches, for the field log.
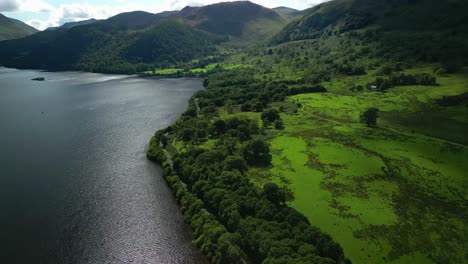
(11, 28)
(69, 25)
(85, 47)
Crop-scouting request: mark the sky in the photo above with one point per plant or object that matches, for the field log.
(46, 13)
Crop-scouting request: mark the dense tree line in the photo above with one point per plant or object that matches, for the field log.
(240, 88)
(307, 89)
(461, 99)
(235, 221)
(402, 79)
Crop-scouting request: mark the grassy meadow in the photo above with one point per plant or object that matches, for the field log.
(392, 194)
(195, 71)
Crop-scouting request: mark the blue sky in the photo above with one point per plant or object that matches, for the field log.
(45, 13)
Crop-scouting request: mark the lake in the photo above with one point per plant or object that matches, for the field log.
(75, 185)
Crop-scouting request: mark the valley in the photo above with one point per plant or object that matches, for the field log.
(335, 134)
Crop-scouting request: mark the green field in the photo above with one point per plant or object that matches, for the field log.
(195, 71)
(392, 194)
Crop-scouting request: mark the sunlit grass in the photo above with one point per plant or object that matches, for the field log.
(392, 194)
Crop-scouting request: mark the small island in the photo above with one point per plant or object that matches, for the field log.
(38, 79)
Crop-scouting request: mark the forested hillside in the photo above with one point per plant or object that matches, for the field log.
(12, 29)
(139, 41)
(397, 30)
(244, 22)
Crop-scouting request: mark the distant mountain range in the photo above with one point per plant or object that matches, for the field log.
(134, 41)
(69, 25)
(12, 29)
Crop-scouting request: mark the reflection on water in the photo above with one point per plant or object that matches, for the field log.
(75, 185)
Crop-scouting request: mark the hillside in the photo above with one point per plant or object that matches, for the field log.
(69, 25)
(337, 17)
(288, 13)
(139, 41)
(244, 22)
(126, 43)
(105, 47)
(397, 30)
(12, 29)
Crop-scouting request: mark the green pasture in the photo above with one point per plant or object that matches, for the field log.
(392, 194)
(209, 67)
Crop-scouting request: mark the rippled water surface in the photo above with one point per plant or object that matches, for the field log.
(75, 186)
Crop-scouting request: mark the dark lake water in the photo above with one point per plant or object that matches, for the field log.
(75, 185)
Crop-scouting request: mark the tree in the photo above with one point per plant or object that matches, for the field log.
(256, 152)
(235, 163)
(369, 117)
(266, 123)
(246, 107)
(229, 144)
(271, 115)
(229, 106)
(279, 124)
(187, 134)
(273, 193)
(209, 110)
(219, 126)
(258, 107)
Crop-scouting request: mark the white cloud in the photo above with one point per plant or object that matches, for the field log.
(78, 12)
(9, 5)
(34, 6)
(36, 23)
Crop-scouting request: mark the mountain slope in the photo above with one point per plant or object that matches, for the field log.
(244, 22)
(288, 13)
(346, 15)
(407, 31)
(139, 41)
(12, 29)
(103, 47)
(112, 45)
(74, 24)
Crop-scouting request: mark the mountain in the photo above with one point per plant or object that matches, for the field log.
(69, 25)
(79, 23)
(398, 30)
(243, 22)
(288, 13)
(138, 41)
(12, 29)
(105, 47)
(346, 15)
